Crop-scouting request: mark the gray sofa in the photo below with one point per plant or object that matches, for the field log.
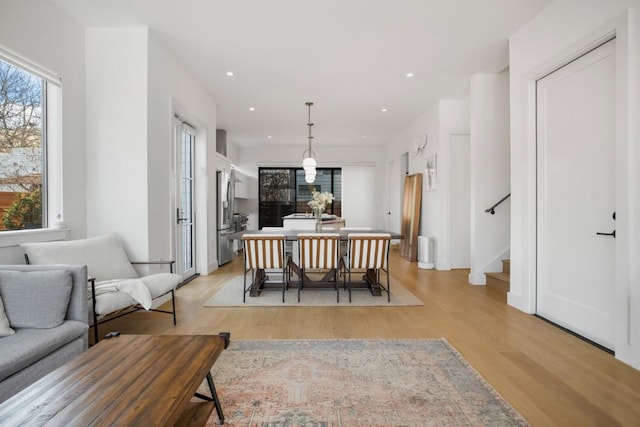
(39, 347)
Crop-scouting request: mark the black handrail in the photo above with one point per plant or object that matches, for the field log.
(492, 209)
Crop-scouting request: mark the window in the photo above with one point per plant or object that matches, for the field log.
(26, 93)
(283, 191)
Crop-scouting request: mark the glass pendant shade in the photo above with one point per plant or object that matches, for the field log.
(310, 176)
(309, 163)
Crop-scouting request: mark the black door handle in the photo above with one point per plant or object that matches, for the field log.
(178, 219)
(613, 233)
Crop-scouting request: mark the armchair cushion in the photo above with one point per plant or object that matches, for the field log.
(115, 294)
(161, 283)
(36, 299)
(135, 288)
(104, 256)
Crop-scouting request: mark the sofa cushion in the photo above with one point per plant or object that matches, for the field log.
(5, 328)
(35, 299)
(104, 256)
(27, 346)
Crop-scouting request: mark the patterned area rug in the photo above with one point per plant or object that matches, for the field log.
(326, 383)
(230, 295)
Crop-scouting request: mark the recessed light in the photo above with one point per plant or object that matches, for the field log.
(409, 75)
(268, 136)
(364, 136)
(230, 74)
(384, 110)
(252, 109)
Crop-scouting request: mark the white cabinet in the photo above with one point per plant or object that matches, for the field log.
(241, 189)
(246, 186)
(242, 186)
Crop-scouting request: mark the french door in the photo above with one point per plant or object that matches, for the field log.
(576, 195)
(185, 185)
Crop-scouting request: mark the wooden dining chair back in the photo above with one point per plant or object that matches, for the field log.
(319, 251)
(368, 252)
(344, 244)
(264, 252)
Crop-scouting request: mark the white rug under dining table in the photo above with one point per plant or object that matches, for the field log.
(230, 295)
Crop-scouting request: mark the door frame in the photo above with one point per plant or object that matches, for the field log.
(523, 249)
(568, 55)
(178, 125)
(604, 337)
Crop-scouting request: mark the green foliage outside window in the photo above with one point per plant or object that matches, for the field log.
(24, 212)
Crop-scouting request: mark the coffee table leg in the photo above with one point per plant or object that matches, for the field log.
(214, 394)
(213, 398)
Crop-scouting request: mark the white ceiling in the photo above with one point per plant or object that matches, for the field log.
(349, 57)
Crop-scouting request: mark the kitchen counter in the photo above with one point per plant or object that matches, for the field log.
(303, 221)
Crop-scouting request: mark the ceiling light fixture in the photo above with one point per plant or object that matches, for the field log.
(252, 109)
(309, 162)
(409, 75)
(229, 73)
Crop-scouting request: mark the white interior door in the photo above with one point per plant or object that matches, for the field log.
(185, 193)
(576, 195)
(460, 201)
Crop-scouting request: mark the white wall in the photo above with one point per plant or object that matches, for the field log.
(552, 38)
(438, 121)
(43, 34)
(362, 167)
(116, 143)
(134, 88)
(427, 123)
(172, 90)
(489, 102)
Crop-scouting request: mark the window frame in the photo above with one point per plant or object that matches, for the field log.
(53, 226)
(295, 172)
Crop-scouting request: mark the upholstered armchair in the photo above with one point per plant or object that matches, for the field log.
(115, 287)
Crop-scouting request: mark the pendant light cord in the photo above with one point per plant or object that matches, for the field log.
(309, 124)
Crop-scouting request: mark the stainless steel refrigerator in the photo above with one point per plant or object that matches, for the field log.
(225, 199)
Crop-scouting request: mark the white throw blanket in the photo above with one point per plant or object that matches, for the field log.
(135, 288)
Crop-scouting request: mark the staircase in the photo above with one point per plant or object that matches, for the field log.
(500, 281)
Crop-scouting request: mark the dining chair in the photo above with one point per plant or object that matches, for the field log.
(319, 252)
(368, 253)
(263, 252)
(344, 243)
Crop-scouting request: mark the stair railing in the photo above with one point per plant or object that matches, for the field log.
(492, 209)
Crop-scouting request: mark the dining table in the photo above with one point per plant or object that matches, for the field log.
(260, 279)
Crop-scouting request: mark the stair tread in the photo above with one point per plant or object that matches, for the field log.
(505, 277)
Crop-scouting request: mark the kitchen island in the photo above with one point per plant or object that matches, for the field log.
(306, 221)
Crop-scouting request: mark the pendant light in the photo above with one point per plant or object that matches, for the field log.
(309, 162)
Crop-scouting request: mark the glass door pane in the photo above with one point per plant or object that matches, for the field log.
(185, 258)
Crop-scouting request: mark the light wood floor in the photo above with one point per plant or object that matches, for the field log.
(551, 377)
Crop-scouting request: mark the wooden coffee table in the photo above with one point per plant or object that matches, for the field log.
(125, 380)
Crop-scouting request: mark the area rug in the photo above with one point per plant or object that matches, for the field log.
(230, 295)
(326, 383)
